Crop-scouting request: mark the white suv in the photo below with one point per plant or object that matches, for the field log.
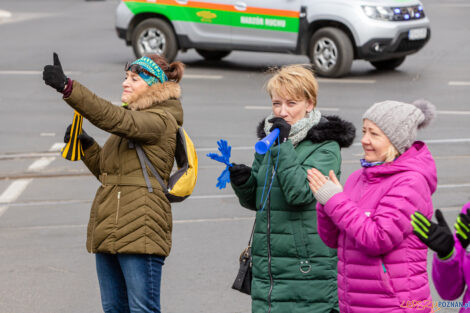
(331, 32)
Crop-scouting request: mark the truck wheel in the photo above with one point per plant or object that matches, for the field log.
(331, 52)
(154, 36)
(389, 64)
(213, 55)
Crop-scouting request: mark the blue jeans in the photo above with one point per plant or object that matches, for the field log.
(129, 283)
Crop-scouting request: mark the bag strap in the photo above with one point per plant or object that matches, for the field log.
(144, 163)
(250, 241)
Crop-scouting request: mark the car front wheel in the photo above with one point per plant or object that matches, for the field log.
(331, 52)
(154, 36)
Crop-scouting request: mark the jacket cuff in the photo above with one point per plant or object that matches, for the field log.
(250, 181)
(327, 191)
(67, 91)
(448, 257)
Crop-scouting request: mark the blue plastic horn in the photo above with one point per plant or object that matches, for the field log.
(264, 144)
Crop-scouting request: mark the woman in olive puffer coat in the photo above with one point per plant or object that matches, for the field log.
(129, 227)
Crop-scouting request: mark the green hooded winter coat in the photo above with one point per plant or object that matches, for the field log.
(125, 217)
(293, 271)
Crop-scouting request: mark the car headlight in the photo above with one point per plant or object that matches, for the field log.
(394, 13)
(378, 12)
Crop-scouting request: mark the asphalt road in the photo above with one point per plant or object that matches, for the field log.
(45, 200)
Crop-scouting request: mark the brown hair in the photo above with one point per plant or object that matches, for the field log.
(294, 82)
(174, 71)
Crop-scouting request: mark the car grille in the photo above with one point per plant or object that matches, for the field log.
(408, 13)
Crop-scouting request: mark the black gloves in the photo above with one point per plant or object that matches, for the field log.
(437, 237)
(284, 128)
(54, 76)
(239, 174)
(86, 140)
(462, 226)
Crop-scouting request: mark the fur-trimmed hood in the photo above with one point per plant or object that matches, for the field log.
(162, 96)
(330, 128)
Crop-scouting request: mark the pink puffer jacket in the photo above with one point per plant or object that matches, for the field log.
(381, 263)
(452, 277)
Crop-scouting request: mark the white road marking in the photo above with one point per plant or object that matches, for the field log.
(233, 148)
(12, 193)
(453, 186)
(346, 81)
(202, 220)
(439, 141)
(447, 157)
(454, 112)
(459, 83)
(57, 147)
(22, 17)
(40, 164)
(5, 14)
(435, 141)
(16, 188)
(20, 72)
(188, 221)
(48, 203)
(47, 134)
(27, 155)
(356, 144)
(196, 76)
(265, 107)
(26, 72)
(452, 208)
(211, 197)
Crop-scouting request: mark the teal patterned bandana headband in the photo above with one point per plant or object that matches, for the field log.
(150, 66)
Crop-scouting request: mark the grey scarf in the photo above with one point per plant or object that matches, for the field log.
(299, 130)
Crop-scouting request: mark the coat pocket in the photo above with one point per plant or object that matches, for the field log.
(300, 239)
(386, 280)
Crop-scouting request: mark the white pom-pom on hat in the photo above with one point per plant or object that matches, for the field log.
(428, 109)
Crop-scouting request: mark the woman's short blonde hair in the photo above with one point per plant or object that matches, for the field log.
(295, 82)
(391, 154)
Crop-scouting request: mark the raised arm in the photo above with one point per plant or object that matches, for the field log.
(140, 125)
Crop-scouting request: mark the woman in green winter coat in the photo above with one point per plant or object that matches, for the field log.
(293, 271)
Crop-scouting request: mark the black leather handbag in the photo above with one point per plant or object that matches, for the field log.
(242, 282)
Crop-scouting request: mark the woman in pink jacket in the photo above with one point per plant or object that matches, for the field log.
(451, 263)
(381, 264)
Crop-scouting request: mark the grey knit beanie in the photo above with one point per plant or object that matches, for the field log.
(400, 121)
